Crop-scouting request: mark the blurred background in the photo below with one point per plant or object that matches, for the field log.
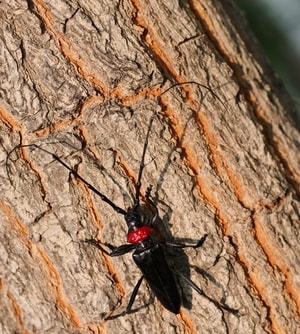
(276, 24)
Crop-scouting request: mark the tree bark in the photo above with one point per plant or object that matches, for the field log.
(81, 80)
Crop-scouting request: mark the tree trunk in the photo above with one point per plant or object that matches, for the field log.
(81, 81)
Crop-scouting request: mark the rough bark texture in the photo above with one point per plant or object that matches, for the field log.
(80, 79)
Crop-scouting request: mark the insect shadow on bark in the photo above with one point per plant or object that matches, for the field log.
(177, 257)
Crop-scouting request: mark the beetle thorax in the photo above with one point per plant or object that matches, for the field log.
(137, 230)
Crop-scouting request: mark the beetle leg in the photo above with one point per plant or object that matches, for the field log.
(133, 295)
(115, 251)
(179, 245)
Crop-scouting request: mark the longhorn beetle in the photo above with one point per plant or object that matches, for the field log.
(148, 254)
